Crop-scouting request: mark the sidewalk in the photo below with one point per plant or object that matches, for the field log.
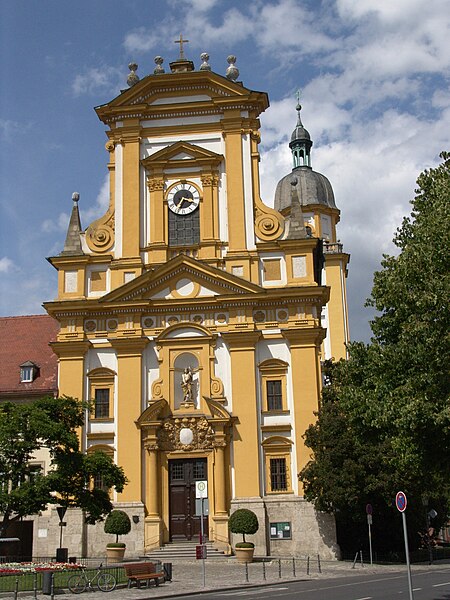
(187, 578)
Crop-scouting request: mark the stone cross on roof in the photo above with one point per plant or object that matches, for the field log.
(181, 42)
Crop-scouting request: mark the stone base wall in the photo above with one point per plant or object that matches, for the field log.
(83, 540)
(312, 533)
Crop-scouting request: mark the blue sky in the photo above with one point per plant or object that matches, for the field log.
(374, 76)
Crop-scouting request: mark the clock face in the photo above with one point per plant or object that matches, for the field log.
(183, 198)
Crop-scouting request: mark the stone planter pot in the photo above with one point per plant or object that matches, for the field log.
(114, 555)
(244, 555)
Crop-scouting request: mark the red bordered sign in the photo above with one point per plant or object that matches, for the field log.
(400, 501)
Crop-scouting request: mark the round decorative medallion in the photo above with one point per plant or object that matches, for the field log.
(112, 324)
(90, 325)
(172, 320)
(259, 316)
(184, 287)
(186, 436)
(198, 319)
(221, 318)
(282, 315)
(148, 322)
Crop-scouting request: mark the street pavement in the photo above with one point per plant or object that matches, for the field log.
(194, 577)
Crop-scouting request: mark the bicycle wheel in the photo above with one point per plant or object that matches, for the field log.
(106, 582)
(77, 583)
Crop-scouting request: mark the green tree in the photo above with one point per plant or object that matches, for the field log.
(384, 422)
(25, 489)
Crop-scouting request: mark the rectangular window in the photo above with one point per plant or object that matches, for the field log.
(26, 374)
(274, 394)
(278, 479)
(101, 399)
(99, 483)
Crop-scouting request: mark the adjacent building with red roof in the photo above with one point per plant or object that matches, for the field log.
(28, 365)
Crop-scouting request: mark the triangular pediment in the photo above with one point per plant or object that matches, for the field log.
(182, 278)
(184, 152)
(169, 91)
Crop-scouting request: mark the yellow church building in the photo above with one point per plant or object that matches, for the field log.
(196, 317)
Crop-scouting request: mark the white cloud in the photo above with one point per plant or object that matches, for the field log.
(98, 209)
(59, 224)
(142, 40)
(92, 211)
(9, 129)
(6, 264)
(96, 80)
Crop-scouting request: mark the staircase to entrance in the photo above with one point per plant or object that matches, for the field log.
(184, 550)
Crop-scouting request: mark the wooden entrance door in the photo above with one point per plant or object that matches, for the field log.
(184, 522)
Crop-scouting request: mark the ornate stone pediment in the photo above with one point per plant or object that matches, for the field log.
(182, 278)
(186, 434)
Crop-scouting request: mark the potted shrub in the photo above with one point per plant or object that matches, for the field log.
(244, 521)
(118, 523)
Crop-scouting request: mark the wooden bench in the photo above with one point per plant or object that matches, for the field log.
(144, 571)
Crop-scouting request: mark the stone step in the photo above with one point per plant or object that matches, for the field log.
(183, 550)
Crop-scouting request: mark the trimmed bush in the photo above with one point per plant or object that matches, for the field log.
(118, 523)
(244, 521)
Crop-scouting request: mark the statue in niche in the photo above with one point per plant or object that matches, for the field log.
(186, 385)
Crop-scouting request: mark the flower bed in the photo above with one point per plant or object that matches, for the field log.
(14, 568)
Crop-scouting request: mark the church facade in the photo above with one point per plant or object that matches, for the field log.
(195, 317)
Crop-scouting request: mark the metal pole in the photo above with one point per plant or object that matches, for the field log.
(370, 541)
(293, 567)
(203, 545)
(264, 570)
(279, 568)
(318, 563)
(405, 535)
(307, 565)
(35, 579)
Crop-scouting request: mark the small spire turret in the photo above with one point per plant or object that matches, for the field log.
(300, 143)
(72, 245)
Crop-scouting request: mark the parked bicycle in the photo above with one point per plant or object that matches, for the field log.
(78, 583)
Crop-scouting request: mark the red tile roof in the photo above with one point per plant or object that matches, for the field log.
(25, 339)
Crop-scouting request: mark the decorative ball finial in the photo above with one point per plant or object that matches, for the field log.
(159, 68)
(205, 66)
(232, 72)
(75, 197)
(132, 78)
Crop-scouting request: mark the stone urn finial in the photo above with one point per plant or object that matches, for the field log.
(232, 72)
(132, 78)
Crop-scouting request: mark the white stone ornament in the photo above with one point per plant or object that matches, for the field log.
(186, 436)
(232, 72)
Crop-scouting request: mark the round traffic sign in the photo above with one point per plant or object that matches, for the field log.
(369, 509)
(400, 501)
